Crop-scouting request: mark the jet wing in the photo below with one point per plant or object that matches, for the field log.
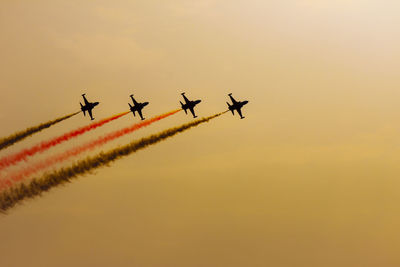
(140, 114)
(233, 100)
(90, 114)
(192, 111)
(84, 99)
(186, 100)
(134, 101)
(239, 110)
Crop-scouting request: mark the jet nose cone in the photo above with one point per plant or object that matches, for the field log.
(145, 103)
(245, 102)
(198, 101)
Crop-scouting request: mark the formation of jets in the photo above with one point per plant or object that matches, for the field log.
(188, 105)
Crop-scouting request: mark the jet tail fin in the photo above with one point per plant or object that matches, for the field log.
(184, 109)
(133, 111)
(229, 106)
(84, 111)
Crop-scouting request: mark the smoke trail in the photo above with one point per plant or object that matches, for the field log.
(37, 186)
(25, 153)
(14, 138)
(24, 173)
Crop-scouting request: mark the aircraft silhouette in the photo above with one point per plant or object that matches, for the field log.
(137, 107)
(189, 105)
(88, 106)
(236, 105)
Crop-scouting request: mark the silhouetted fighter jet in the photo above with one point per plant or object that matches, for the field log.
(236, 105)
(189, 105)
(137, 107)
(88, 107)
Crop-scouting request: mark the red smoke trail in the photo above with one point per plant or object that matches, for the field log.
(24, 154)
(20, 175)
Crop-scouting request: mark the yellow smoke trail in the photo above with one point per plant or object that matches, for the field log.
(14, 138)
(37, 186)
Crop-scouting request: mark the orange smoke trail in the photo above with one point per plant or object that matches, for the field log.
(24, 154)
(20, 175)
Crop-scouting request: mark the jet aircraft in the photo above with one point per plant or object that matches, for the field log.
(236, 105)
(189, 105)
(88, 106)
(137, 106)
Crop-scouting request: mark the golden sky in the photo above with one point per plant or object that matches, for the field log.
(309, 178)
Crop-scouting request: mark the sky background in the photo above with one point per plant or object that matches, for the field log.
(309, 178)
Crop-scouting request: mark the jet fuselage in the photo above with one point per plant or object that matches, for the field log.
(238, 105)
(190, 104)
(139, 106)
(89, 106)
